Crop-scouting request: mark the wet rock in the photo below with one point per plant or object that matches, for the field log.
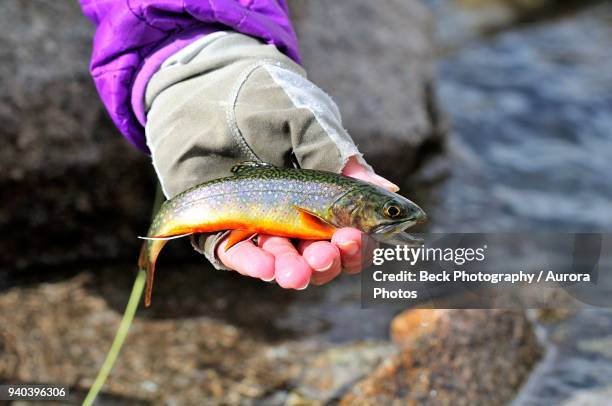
(381, 75)
(71, 187)
(332, 371)
(453, 357)
(552, 315)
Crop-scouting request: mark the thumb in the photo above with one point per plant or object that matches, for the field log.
(356, 170)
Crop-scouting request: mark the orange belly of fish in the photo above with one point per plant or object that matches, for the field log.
(308, 227)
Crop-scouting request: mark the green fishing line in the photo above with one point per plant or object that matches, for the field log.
(124, 326)
(126, 322)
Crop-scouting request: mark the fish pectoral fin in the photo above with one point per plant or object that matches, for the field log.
(311, 221)
(236, 236)
(171, 237)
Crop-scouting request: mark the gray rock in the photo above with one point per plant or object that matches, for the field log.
(71, 187)
(74, 190)
(377, 62)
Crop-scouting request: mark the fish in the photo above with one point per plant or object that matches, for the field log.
(259, 198)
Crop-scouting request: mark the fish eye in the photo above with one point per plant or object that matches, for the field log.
(392, 210)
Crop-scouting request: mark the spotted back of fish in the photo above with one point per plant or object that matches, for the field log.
(265, 196)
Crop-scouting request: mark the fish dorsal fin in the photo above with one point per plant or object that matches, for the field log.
(248, 166)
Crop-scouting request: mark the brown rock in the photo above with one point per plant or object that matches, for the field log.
(411, 325)
(458, 357)
(199, 342)
(60, 332)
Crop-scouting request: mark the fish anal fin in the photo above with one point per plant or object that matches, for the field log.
(236, 236)
(314, 224)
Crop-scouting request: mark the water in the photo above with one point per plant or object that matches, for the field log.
(532, 128)
(530, 149)
(531, 112)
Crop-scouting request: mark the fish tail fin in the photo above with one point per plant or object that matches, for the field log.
(146, 262)
(148, 256)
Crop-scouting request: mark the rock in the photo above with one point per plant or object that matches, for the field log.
(411, 325)
(72, 188)
(60, 332)
(328, 374)
(453, 357)
(377, 63)
(191, 344)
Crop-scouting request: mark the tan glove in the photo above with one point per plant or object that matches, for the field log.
(228, 98)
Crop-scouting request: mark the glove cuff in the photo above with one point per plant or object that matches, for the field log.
(206, 244)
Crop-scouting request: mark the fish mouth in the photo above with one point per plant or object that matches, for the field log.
(394, 233)
(394, 228)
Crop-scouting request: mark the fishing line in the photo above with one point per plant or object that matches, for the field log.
(126, 322)
(120, 336)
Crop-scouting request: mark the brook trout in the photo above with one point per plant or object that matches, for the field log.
(294, 203)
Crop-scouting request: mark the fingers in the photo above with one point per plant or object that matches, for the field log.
(247, 259)
(291, 269)
(277, 258)
(355, 170)
(323, 257)
(348, 240)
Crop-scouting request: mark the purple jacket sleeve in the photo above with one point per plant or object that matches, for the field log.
(133, 38)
